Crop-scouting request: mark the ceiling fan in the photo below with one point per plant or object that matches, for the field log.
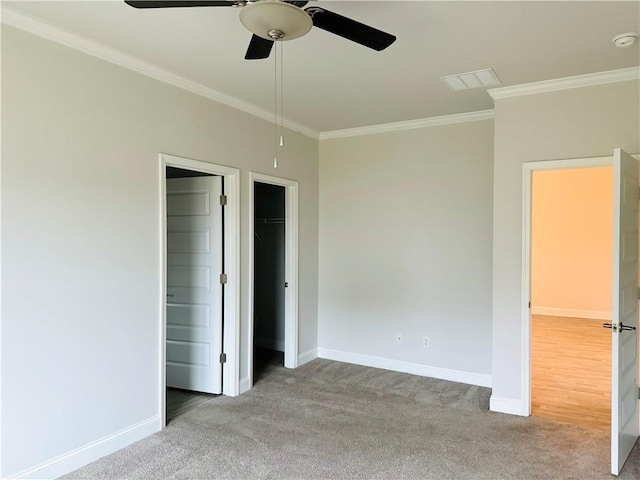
(278, 20)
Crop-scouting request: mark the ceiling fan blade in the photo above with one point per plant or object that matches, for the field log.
(258, 48)
(177, 3)
(350, 29)
(296, 3)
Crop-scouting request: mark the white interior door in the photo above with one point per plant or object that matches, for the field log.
(194, 292)
(624, 390)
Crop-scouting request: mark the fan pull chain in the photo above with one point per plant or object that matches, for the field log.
(275, 105)
(281, 95)
(278, 127)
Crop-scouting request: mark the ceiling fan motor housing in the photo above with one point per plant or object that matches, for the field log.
(275, 20)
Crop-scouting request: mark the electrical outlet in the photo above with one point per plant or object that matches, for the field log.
(426, 342)
(399, 337)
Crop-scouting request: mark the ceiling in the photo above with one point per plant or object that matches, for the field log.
(332, 84)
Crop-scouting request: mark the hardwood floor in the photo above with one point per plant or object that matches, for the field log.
(180, 401)
(571, 370)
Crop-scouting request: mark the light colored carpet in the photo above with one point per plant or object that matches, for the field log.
(333, 420)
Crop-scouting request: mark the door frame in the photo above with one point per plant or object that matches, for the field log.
(231, 243)
(291, 269)
(525, 312)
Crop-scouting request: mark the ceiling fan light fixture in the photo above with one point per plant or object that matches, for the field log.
(275, 20)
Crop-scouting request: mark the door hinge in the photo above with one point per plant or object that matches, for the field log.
(529, 304)
(223, 278)
(223, 199)
(638, 393)
(223, 358)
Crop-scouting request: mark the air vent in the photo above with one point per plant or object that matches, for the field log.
(477, 79)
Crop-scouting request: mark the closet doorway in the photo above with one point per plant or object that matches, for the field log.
(273, 336)
(268, 277)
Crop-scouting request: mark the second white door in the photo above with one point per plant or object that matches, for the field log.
(194, 291)
(624, 375)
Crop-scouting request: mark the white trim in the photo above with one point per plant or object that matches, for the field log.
(525, 339)
(571, 312)
(1, 309)
(79, 457)
(576, 81)
(291, 268)
(162, 305)
(307, 356)
(511, 406)
(90, 47)
(481, 379)
(245, 385)
(409, 124)
(231, 338)
(232, 329)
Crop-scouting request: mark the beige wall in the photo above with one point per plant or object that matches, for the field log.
(572, 242)
(575, 123)
(405, 246)
(80, 241)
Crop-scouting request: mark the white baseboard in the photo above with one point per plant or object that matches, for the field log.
(70, 461)
(245, 385)
(570, 312)
(512, 406)
(307, 356)
(271, 344)
(471, 378)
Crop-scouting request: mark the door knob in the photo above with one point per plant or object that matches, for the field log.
(622, 327)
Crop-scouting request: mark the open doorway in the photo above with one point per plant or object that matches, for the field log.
(269, 279)
(273, 247)
(623, 327)
(194, 307)
(199, 283)
(571, 285)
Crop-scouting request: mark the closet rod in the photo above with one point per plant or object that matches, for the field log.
(269, 220)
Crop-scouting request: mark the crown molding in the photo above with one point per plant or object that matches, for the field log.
(586, 80)
(409, 125)
(42, 29)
